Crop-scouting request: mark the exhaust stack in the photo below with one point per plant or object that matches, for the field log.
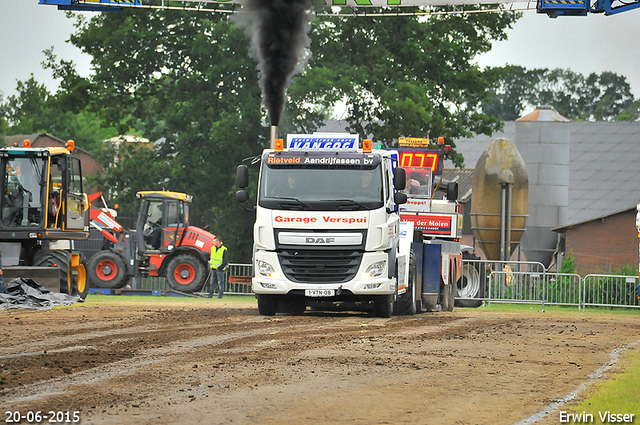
(274, 136)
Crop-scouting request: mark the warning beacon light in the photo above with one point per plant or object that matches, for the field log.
(279, 145)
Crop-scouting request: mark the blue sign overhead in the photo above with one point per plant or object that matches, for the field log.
(92, 5)
(322, 142)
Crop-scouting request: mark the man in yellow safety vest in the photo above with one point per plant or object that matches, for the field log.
(219, 261)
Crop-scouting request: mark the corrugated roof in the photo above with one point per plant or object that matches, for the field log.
(604, 166)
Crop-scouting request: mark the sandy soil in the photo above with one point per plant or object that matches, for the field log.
(221, 362)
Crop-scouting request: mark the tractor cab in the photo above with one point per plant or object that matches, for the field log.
(163, 217)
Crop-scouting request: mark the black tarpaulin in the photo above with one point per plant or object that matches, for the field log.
(27, 293)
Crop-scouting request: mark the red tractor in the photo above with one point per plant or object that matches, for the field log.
(163, 244)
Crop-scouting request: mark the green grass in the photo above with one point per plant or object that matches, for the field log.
(619, 395)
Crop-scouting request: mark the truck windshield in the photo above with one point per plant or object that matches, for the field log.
(322, 187)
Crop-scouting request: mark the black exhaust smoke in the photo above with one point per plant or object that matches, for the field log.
(279, 38)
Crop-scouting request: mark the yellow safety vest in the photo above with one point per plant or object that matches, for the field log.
(216, 256)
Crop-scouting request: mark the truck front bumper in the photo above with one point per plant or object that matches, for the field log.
(370, 280)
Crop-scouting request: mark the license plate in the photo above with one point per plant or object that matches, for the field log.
(319, 292)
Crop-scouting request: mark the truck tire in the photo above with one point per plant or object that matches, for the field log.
(80, 285)
(383, 306)
(61, 260)
(186, 273)
(107, 269)
(407, 305)
(471, 283)
(267, 304)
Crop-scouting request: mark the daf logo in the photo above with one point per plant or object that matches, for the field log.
(320, 240)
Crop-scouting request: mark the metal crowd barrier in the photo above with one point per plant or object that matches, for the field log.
(531, 283)
(237, 281)
(611, 291)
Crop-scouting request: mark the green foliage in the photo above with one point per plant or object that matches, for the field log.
(35, 110)
(568, 264)
(187, 81)
(4, 114)
(403, 76)
(604, 97)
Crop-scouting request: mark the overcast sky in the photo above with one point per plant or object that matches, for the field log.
(583, 44)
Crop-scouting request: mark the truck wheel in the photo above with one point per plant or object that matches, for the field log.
(80, 284)
(107, 270)
(407, 305)
(267, 304)
(470, 284)
(186, 273)
(56, 258)
(383, 306)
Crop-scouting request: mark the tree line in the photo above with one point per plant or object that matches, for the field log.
(189, 82)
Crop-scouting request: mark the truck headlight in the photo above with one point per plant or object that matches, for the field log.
(265, 269)
(374, 270)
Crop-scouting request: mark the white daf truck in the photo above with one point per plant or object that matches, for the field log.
(327, 225)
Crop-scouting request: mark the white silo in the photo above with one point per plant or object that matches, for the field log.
(543, 138)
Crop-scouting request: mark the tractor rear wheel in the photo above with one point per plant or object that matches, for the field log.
(107, 270)
(56, 258)
(186, 273)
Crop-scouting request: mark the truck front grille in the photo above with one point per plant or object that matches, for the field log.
(318, 266)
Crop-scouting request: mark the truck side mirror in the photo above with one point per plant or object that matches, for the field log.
(452, 191)
(242, 196)
(399, 179)
(242, 176)
(400, 198)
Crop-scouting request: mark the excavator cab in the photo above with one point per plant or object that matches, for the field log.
(42, 189)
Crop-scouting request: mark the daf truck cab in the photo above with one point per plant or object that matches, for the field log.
(327, 226)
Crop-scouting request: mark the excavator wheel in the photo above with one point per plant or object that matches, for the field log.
(80, 285)
(186, 273)
(107, 270)
(56, 258)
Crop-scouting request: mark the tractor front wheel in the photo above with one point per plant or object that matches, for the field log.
(186, 273)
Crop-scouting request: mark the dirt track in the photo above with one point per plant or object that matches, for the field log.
(220, 362)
